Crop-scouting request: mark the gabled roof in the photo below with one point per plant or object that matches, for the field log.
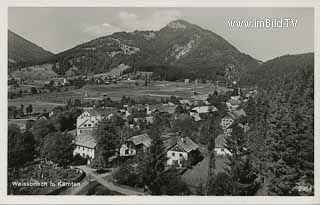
(220, 141)
(239, 113)
(140, 139)
(187, 144)
(204, 109)
(163, 108)
(101, 112)
(86, 140)
(229, 116)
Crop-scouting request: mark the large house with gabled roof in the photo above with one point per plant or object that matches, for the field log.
(87, 122)
(184, 151)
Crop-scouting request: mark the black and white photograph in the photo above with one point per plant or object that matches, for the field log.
(160, 101)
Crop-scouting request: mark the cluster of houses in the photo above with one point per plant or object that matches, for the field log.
(179, 150)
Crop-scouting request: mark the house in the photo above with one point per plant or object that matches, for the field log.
(185, 102)
(233, 104)
(143, 74)
(196, 111)
(186, 80)
(85, 146)
(135, 145)
(160, 108)
(88, 120)
(148, 119)
(239, 113)
(184, 151)
(59, 81)
(220, 148)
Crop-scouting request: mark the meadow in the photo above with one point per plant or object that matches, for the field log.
(156, 90)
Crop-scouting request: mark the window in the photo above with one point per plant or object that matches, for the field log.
(180, 155)
(222, 150)
(126, 151)
(173, 154)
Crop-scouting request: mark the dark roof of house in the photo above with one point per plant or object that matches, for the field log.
(220, 141)
(239, 113)
(140, 139)
(86, 140)
(103, 112)
(163, 108)
(187, 144)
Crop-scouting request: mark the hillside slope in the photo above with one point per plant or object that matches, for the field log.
(22, 51)
(179, 48)
(277, 67)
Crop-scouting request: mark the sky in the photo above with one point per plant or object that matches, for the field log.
(60, 28)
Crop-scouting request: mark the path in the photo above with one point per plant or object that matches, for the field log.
(108, 184)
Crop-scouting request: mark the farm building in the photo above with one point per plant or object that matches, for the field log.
(88, 120)
(183, 152)
(135, 145)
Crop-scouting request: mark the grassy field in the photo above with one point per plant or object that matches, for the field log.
(156, 89)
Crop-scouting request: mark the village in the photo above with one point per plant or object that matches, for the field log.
(183, 149)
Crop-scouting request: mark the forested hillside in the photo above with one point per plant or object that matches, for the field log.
(277, 67)
(282, 135)
(22, 52)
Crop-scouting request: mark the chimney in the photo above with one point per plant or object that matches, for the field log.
(182, 139)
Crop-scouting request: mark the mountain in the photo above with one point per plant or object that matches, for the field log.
(277, 68)
(22, 52)
(179, 50)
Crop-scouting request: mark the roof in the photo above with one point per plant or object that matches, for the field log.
(229, 116)
(184, 101)
(163, 108)
(220, 141)
(101, 112)
(239, 113)
(86, 140)
(187, 144)
(204, 109)
(140, 139)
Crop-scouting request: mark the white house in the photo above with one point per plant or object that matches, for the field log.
(220, 147)
(87, 121)
(85, 147)
(135, 145)
(181, 152)
(227, 121)
(196, 111)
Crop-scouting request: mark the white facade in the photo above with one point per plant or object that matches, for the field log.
(176, 157)
(222, 151)
(87, 122)
(226, 122)
(85, 152)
